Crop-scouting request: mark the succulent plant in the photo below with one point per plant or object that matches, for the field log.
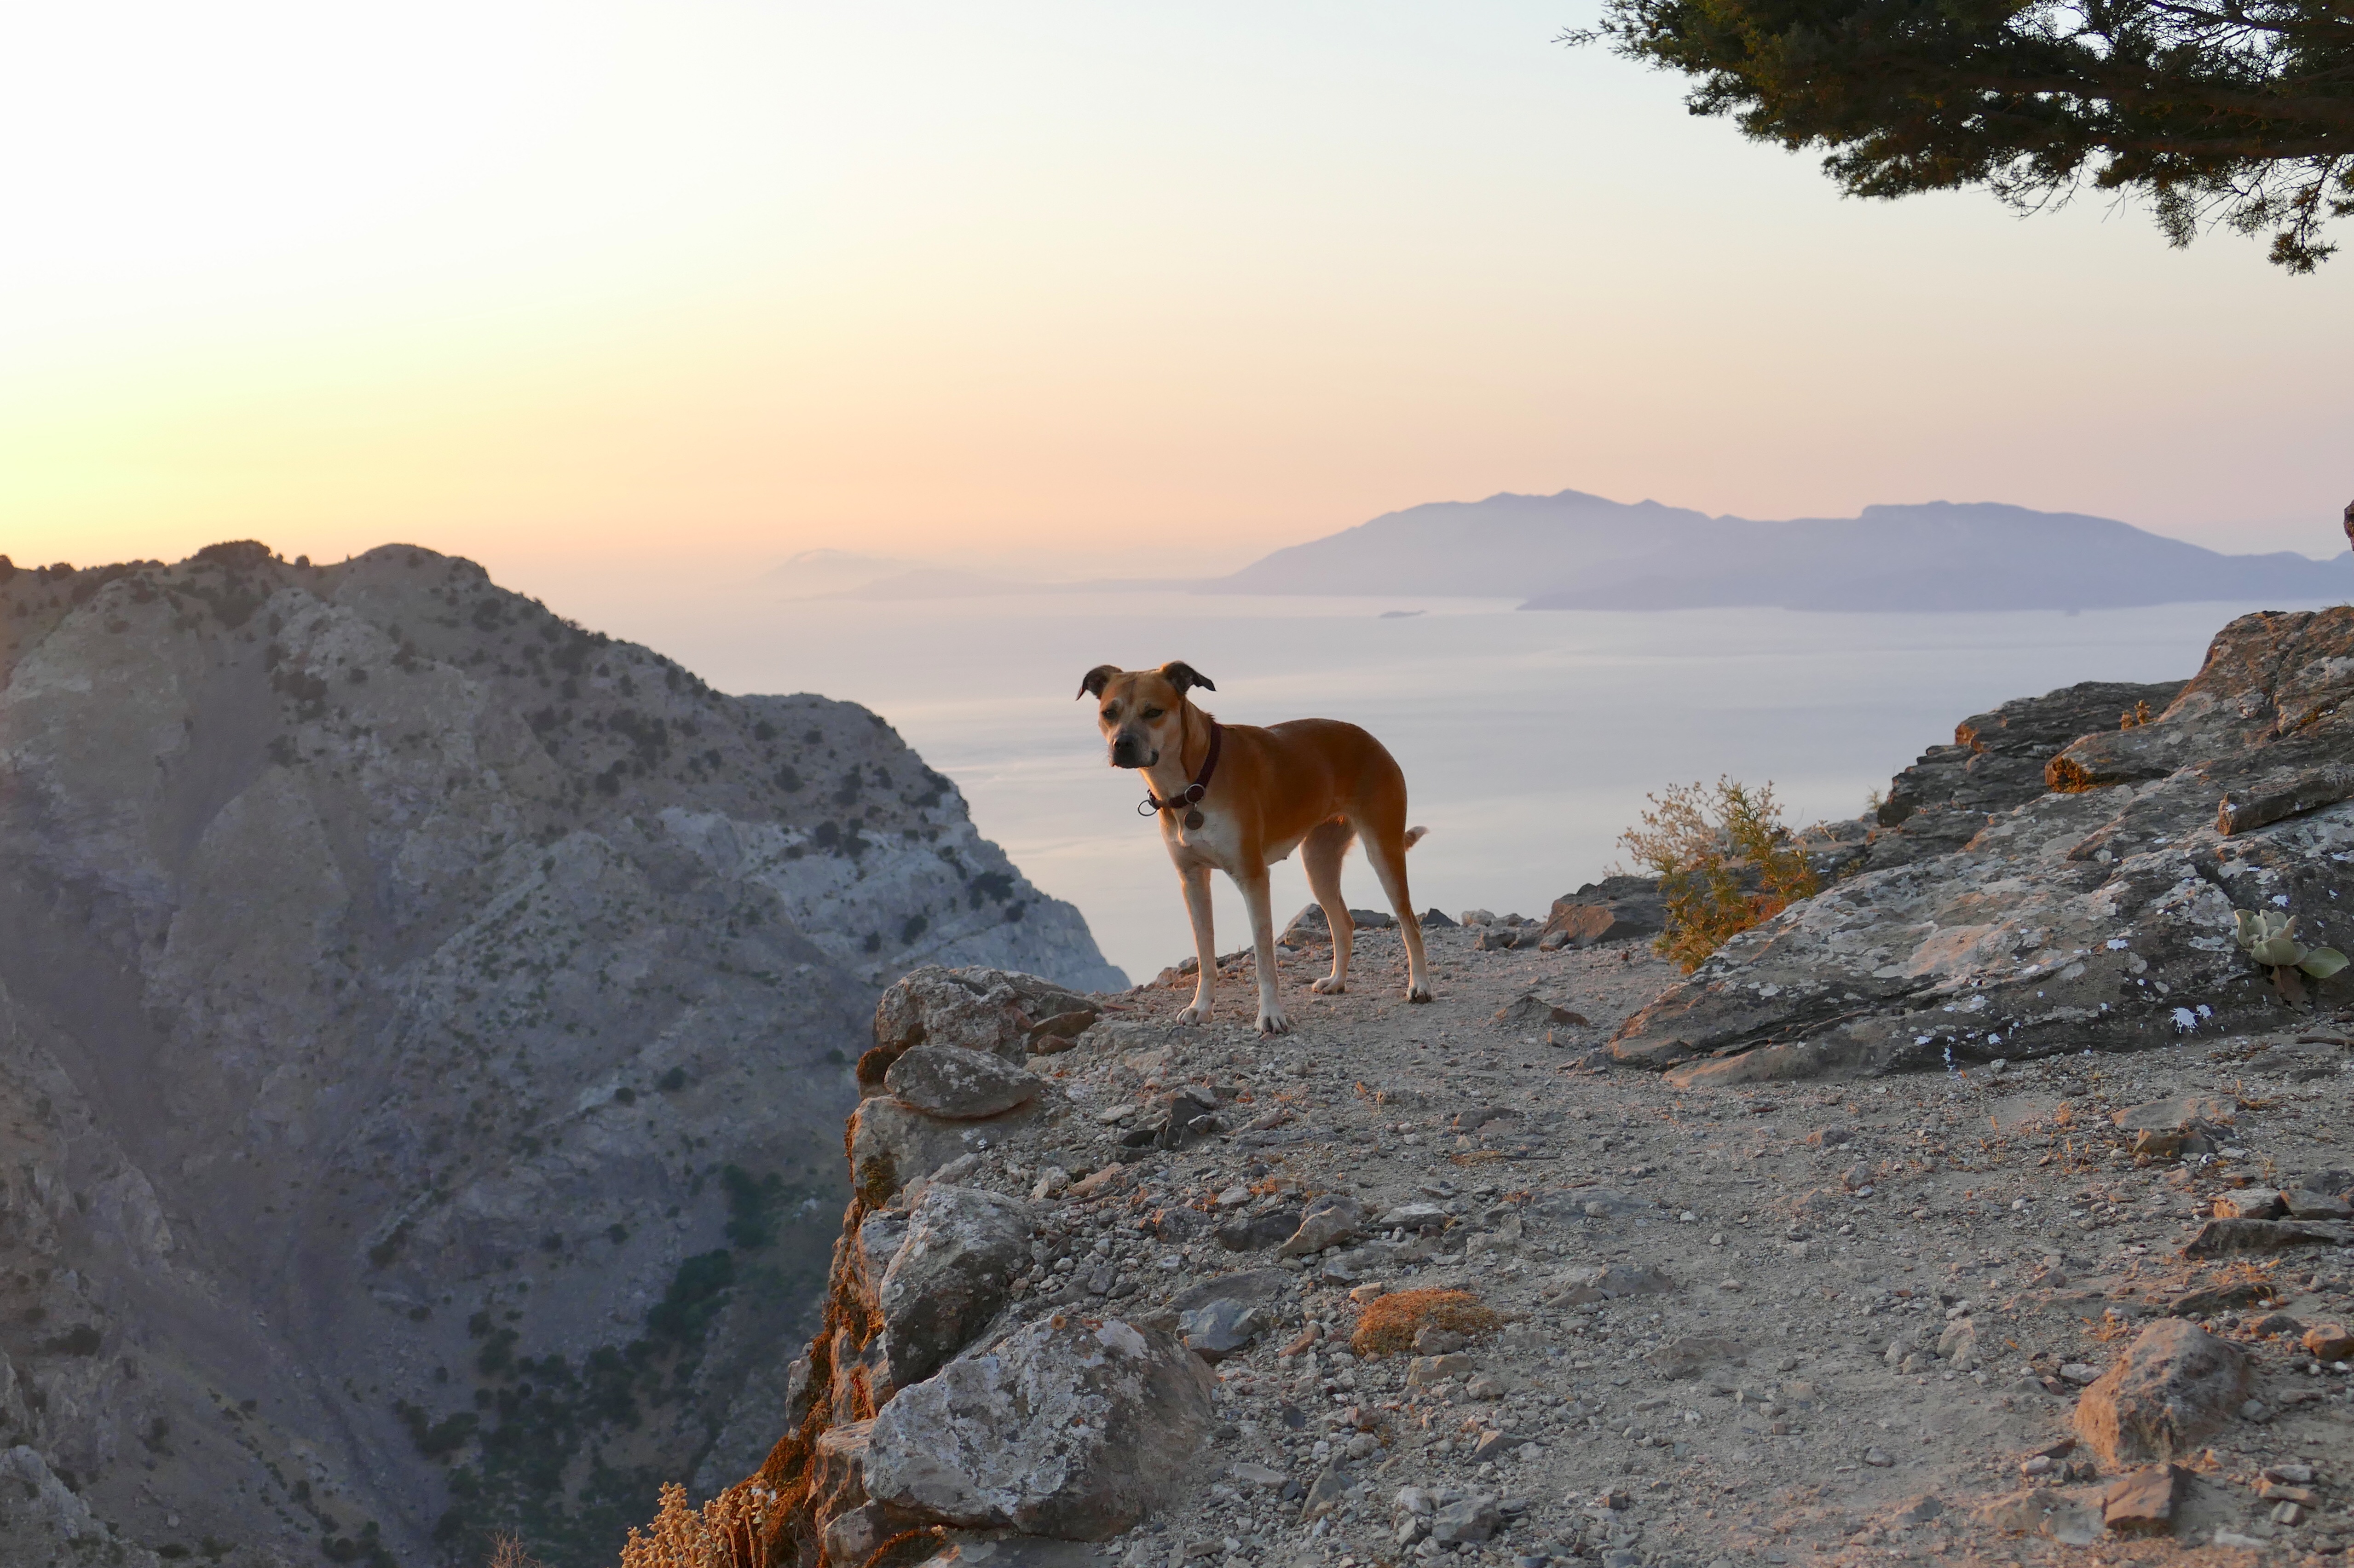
(2270, 940)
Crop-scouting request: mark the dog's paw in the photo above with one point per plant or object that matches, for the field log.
(1417, 994)
(1331, 985)
(1271, 1021)
(1197, 1014)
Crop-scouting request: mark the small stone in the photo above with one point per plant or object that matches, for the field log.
(2276, 1491)
(1877, 1459)
(1330, 1491)
(2080, 1373)
(1328, 1221)
(1471, 1519)
(2256, 1410)
(2164, 1394)
(2288, 1513)
(2306, 1205)
(1218, 1329)
(1423, 1372)
(2232, 1538)
(2329, 1342)
(1360, 1294)
(2249, 1203)
(1433, 1340)
(2144, 1502)
(2294, 1474)
(1488, 1385)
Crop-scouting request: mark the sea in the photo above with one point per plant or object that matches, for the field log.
(1530, 739)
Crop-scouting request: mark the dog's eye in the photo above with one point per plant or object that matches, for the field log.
(1152, 713)
(1111, 712)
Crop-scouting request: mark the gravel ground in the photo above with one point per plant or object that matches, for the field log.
(1783, 1401)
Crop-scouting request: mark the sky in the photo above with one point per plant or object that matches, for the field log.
(613, 297)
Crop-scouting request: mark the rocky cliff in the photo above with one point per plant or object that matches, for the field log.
(2064, 876)
(425, 1027)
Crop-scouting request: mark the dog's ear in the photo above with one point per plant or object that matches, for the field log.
(1184, 677)
(1096, 680)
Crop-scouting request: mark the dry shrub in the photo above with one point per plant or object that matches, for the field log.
(2066, 775)
(728, 1532)
(507, 1552)
(1700, 842)
(1389, 1323)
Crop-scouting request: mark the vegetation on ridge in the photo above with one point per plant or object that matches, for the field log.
(1725, 861)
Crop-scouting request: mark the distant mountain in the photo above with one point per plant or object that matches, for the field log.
(1574, 551)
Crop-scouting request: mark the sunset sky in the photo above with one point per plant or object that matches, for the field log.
(575, 289)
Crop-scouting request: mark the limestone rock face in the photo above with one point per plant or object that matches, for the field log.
(372, 942)
(2164, 1396)
(949, 1277)
(1074, 1427)
(2000, 917)
(993, 1011)
(963, 1086)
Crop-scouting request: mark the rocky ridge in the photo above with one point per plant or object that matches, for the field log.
(425, 1026)
(1997, 909)
(2066, 1300)
(1468, 1288)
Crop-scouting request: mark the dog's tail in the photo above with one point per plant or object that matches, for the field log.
(1414, 836)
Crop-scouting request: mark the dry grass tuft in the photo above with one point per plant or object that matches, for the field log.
(1389, 1323)
(728, 1532)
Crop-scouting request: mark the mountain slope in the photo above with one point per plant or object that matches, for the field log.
(425, 1028)
(1574, 551)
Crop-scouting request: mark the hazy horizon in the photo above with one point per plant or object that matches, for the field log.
(626, 291)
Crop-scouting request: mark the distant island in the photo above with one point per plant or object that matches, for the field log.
(1582, 552)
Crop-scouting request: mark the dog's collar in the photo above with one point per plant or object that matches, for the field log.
(1197, 789)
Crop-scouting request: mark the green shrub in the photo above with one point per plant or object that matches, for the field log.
(1725, 861)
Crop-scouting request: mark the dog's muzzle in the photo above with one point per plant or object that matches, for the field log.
(1129, 751)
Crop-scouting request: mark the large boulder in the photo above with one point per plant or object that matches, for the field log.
(960, 1084)
(996, 1012)
(950, 1276)
(2164, 1396)
(2023, 918)
(1074, 1427)
(893, 1145)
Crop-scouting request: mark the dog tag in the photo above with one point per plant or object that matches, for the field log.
(1193, 818)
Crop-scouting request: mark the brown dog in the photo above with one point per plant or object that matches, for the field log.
(1237, 798)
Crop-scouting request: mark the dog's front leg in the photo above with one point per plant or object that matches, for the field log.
(1195, 880)
(1271, 1020)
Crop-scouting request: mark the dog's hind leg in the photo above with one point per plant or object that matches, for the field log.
(1320, 855)
(1386, 854)
(1271, 1020)
(1195, 880)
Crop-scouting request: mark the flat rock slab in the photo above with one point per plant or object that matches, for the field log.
(1690, 1356)
(2054, 1515)
(2144, 1501)
(960, 1084)
(1251, 1288)
(2218, 1238)
(2164, 1396)
(2177, 1115)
